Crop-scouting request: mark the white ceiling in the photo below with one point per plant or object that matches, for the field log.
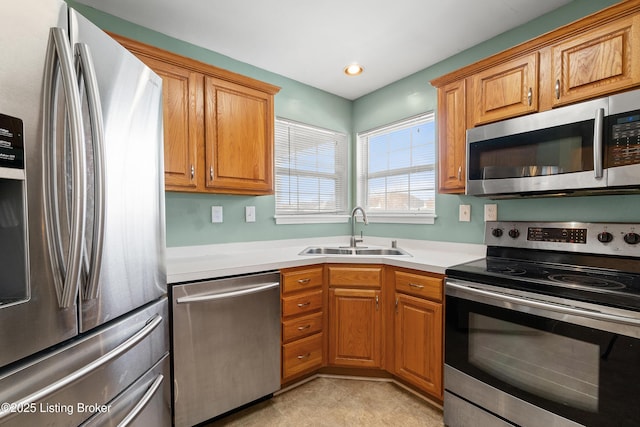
(312, 41)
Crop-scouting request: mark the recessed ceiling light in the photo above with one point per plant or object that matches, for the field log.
(353, 69)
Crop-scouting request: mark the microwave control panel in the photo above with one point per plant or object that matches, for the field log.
(624, 146)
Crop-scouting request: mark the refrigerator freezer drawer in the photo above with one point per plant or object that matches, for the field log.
(66, 386)
(147, 402)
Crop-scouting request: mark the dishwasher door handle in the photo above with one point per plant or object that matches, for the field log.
(225, 295)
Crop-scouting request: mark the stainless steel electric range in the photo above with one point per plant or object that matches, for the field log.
(545, 331)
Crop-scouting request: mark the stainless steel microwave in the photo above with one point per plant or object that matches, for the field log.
(586, 148)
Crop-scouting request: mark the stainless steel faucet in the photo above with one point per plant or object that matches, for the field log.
(353, 242)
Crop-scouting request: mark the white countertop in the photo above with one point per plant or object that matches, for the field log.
(188, 263)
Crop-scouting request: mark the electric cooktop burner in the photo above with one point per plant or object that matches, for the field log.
(586, 281)
(597, 263)
(595, 285)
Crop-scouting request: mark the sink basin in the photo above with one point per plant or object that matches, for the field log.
(317, 250)
(381, 251)
(321, 250)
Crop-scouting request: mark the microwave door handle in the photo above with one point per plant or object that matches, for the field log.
(87, 74)
(66, 272)
(598, 129)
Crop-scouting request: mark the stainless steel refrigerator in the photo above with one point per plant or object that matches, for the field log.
(83, 308)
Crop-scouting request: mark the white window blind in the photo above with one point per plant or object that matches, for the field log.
(396, 169)
(311, 170)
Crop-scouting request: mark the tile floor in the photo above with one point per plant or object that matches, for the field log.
(338, 402)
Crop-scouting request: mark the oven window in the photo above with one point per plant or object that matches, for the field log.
(586, 375)
(554, 367)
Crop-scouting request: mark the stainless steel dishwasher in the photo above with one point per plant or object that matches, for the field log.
(226, 344)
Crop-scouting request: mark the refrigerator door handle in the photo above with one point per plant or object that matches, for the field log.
(86, 370)
(67, 271)
(144, 401)
(87, 74)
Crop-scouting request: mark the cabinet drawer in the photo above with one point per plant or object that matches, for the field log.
(355, 277)
(301, 326)
(301, 304)
(302, 355)
(298, 280)
(418, 285)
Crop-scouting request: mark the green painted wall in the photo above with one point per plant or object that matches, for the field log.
(188, 215)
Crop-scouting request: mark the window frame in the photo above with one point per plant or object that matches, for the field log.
(299, 217)
(362, 175)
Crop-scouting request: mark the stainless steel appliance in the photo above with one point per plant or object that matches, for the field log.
(87, 326)
(590, 147)
(226, 336)
(546, 329)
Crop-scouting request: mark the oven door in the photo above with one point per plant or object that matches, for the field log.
(555, 151)
(534, 360)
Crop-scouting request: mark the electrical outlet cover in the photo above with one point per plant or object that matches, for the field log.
(490, 212)
(216, 214)
(465, 213)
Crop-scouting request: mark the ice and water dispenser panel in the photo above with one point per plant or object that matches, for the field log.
(14, 275)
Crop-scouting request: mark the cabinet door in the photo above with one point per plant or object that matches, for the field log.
(418, 335)
(506, 90)
(182, 115)
(597, 63)
(239, 138)
(355, 321)
(452, 129)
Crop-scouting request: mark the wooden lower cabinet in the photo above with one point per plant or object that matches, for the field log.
(355, 328)
(418, 343)
(301, 356)
(364, 319)
(302, 321)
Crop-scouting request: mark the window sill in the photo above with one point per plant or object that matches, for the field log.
(311, 219)
(400, 218)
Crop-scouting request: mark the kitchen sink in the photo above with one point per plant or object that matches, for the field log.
(363, 251)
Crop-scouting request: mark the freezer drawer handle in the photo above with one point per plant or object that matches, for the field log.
(152, 324)
(224, 295)
(143, 402)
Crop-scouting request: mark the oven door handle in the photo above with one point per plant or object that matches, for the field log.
(544, 305)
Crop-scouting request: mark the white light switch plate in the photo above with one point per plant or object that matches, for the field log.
(465, 213)
(250, 213)
(216, 214)
(490, 212)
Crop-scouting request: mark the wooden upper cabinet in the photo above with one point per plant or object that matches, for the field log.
(452, 127)
(239, 138)
(218, 125)
(506, 90)
(182, 115)
(598, 62)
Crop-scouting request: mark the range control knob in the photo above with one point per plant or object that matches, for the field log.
(632, 238)
(605, 237)
(514, 233)
(496, 232)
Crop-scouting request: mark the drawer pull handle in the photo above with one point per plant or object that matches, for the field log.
(302, 328)
(304, 281)
(304, 304)
(304, 356)
(415, 285)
